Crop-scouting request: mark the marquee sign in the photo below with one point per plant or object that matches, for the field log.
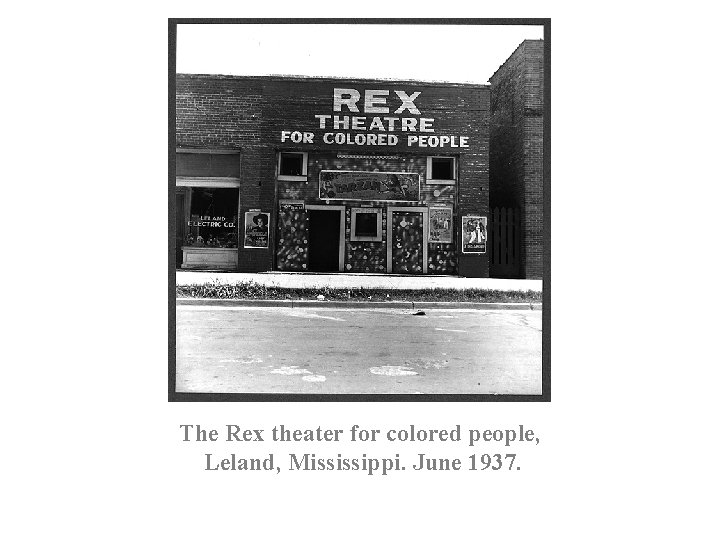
(369, 186)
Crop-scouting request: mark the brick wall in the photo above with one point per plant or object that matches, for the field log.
(516, 147)
(250, 113)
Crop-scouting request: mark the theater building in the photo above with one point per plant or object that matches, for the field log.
(302, 174)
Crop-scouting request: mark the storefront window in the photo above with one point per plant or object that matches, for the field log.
(440, 170)
(213, 218)
(293, 166)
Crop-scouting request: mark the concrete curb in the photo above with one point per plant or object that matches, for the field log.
(351, 304)
(346, 281)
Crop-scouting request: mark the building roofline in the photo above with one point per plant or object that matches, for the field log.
(513, 53)
(310, 78)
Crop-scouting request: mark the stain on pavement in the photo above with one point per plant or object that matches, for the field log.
(392, 371)
(291, 370)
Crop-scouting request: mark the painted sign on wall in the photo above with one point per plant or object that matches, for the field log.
(369, 186)
(376, 117)
(441, 229)
(256, 229)
(474, 234)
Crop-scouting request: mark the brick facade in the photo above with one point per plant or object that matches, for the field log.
(516, 147)
(249, 114)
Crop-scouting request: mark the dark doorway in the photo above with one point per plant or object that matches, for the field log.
(324, 243)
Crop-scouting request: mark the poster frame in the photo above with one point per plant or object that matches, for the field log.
(464, 220)
(249, 215)
(448, 207)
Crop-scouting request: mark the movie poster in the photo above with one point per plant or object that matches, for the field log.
(474, 234)
(256, 229)
(441, 228)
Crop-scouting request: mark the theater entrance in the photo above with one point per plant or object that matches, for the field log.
(326, 238)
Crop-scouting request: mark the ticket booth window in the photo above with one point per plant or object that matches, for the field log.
(366, 224)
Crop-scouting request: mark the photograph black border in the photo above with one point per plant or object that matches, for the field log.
(174, 396)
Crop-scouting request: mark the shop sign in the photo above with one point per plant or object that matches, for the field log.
(474, 234)
(256, 229)
(286, 204)
(210, 221)
(369, 186)
(441, 229)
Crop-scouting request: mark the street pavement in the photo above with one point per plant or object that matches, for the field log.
(249, 349)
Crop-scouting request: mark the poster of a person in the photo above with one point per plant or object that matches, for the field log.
(478, 235)
(260, 222)
(474, 234)
(256, 229)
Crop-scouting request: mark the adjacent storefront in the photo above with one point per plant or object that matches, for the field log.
(207, 195)
(326, 175)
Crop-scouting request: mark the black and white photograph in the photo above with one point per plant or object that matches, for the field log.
(353, 216)
(334, 317)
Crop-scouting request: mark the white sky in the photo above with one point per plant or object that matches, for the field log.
(460, 53)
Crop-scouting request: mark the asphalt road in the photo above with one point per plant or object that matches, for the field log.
(357, 351)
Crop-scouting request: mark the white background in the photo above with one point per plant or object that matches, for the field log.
(92, 448)
(419, 51)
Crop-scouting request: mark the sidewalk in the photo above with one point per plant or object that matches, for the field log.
(355, 281)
